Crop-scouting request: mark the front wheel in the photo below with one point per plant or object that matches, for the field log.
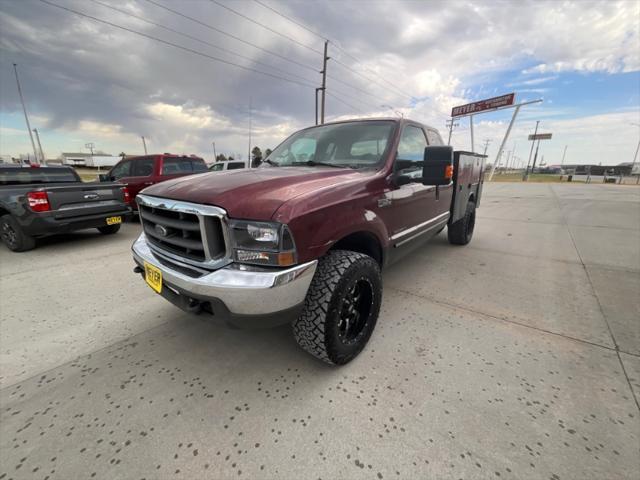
(341, 307)
(461, 232)
(109, 229)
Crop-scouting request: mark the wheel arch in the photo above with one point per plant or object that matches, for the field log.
(362, 241)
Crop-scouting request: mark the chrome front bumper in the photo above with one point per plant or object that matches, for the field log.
(243, 290)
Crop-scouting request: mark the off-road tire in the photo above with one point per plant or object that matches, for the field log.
(317, 328)
(461, 232)
(13, 236)
(109, 229)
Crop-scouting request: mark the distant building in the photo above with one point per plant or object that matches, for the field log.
(98, 159)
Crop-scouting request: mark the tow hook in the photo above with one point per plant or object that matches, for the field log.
(192, 305)
(137, 269)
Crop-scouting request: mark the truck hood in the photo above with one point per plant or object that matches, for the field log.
(251, 193)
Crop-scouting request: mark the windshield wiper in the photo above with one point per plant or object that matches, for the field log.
(313, 163)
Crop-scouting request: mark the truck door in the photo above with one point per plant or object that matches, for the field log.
(141, 175)
(411, 203)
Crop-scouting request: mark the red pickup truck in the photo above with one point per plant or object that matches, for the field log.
(140, 172)
(303, 238)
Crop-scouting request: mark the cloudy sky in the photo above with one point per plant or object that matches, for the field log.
(86, 81)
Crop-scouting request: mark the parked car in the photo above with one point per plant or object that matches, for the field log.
(140, 172)
(38, 201)
(303, 238)
(228, 165)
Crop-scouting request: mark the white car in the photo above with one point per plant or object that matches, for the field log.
(228, 165)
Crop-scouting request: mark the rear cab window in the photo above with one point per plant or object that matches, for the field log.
(235, 165)
(20, 175)
(176, 166)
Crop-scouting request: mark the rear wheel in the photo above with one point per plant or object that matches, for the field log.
(13, 236)
(341, 308)
(461, 232)
(109, 229)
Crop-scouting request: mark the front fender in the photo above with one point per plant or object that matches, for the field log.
(316, 232)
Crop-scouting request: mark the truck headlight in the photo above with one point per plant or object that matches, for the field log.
(262, 243)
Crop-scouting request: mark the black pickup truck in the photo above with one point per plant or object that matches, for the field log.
(41, 201)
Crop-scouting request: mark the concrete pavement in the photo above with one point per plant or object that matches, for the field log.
(514, 357)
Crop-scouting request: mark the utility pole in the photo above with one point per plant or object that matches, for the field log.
(526, 173)
(144, 144)
(35, 130)
(450, 124)
(324, 81)
(24, 109)
(317, 90)
(533, 167)
(215, 157)
(90, 146)
(250, 119)
(487, 141)
(563, 154)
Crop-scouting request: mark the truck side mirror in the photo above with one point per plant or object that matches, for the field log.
(438, 165)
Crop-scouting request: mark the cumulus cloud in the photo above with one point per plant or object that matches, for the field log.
(91, 81)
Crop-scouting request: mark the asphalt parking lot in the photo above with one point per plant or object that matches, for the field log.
(517, 356)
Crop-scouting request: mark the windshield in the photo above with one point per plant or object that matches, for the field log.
(350, 144)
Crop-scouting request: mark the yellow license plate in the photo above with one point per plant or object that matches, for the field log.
(153, 276)
(114, 220)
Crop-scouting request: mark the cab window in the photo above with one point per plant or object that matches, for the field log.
(143, 167)
(235, 165)
(198, 166)
(216, 167)
(410, 156)
(123, 169)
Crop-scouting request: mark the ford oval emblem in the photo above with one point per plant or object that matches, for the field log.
(91, 196)
(161, 230)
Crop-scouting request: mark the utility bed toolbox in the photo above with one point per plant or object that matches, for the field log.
(468, 177)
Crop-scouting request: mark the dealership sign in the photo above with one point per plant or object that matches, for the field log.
(483, 105)
(540, 136)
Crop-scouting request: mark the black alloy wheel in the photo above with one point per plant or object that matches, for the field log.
(355, 311)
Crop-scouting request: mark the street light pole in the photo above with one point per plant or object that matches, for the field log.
(526, 173)
(35, 130)
(144, 144)
(24, 109)
(215, 157)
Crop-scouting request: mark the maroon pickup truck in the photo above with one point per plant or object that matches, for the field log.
(303, 238)
(140, 172)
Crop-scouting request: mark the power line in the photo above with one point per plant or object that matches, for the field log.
(297, 42)
(341, 100)
(175, 45)
(398, 90)
(186, 35)
(190, 50)
(211, 27)
(300, 24)
(292, 20)
(262, 49)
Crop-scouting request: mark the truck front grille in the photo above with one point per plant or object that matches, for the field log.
(180, 231)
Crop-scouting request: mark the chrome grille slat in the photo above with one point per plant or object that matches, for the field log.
(196, 234)
(173, 223)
